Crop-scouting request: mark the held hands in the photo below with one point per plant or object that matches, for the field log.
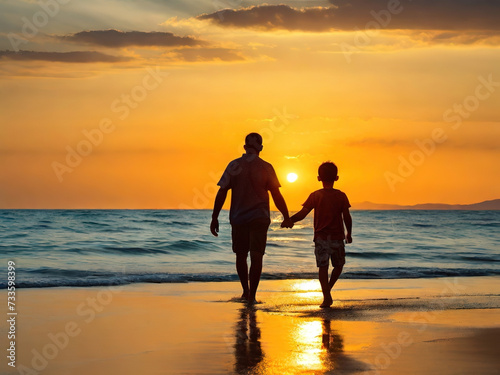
(287, 223)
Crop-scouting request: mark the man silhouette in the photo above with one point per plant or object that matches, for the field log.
(250, 178)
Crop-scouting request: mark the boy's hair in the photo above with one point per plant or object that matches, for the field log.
(328, 171)
(254, 140)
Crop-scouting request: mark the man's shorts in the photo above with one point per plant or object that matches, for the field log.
(250, 237)
(329, 249)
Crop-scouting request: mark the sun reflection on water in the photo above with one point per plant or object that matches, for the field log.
(306, 286)
(308, 337)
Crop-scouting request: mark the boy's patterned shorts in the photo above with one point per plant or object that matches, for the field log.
(329, 249)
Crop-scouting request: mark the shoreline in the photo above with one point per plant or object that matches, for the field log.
(386, 326)
(172, 278)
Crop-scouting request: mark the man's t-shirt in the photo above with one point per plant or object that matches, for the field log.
(328, 205)
(250, 178)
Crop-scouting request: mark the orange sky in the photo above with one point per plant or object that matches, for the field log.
(176, 105)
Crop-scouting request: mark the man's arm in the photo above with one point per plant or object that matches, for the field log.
(348, 224)
(301, 214)
(219, 202)
(280, 203)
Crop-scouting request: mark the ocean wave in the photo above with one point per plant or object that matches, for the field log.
(428, 247)
(7, 218)
(80, 212)
(183, 245)
(119, 279)
(135, 250)
(478, 258)
(418, 273)
(147, 221)
(181, 223)
(15, 249)
(38, 226)
(72, 230)
(382, 255)
(495, 224)
(96, 223)
(50, 271)
(126, 250)
(163, 213)
(273, 244)
(14, 235)
(50, 277)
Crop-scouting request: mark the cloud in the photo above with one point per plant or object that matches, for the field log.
(487, 37)
(118, 39)
(67, 57)
(205, 54)
(349, 15)
(274, 17)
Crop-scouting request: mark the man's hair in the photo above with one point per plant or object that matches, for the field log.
(254, 139)
(328, 171)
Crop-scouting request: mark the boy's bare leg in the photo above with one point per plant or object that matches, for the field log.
(337, 270)
(242, 269)
(325, 286)
(255, 272)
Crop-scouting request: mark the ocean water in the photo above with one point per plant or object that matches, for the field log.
(112, 247)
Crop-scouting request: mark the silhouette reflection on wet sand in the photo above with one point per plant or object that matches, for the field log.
(333, 345)
(248, 350)
(312, 345)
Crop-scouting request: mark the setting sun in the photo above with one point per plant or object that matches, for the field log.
(292, 177)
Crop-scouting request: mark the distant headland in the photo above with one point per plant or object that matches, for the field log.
(486, 205)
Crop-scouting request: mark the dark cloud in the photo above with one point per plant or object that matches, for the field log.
(355, 14)
(205, 54)
(274, 17)
(68, 57)
(117, 39)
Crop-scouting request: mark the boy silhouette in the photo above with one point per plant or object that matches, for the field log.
(331, 211)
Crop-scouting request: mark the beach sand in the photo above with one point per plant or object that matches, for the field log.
(412, 326)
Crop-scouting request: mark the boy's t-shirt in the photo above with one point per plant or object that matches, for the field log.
(328, 205)
(250, 178)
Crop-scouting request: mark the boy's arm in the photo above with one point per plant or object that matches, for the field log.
(348, 224)
(219, 202)
(301, 214)
(280, 203)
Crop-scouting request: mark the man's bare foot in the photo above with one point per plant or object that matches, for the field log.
(244, 296)
(326, 303)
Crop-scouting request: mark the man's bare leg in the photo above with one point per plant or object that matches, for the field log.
(242, 269)
(255, 272)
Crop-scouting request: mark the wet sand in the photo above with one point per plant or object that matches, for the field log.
(423, 326)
